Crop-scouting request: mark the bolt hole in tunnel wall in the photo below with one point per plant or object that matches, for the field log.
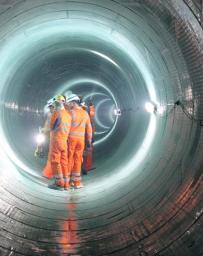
(145, 195)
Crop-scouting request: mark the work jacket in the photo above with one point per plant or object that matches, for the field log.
(81, 126)
(60, 124)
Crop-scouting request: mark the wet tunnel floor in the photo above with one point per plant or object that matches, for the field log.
(37, 220)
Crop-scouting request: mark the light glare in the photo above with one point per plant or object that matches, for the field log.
(40, 138)
(149, 107)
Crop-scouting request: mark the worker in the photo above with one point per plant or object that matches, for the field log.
(42, 145)
(88, 152)
(91, 112)
(80, 128)
(49, 108)
(59, 130)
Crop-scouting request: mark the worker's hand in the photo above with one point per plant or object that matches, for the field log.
(89, 144)
(43, 130)
(36, 153)
(39, 153)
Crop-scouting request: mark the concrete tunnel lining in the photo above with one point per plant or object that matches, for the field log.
(127, 206)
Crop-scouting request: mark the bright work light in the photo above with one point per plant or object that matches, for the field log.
(40, 138)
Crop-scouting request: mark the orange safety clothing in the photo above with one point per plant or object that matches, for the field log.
(91, 114)
(59, 130)
(47, 171)
(60, 125)
(80, 125)
(88, 153)
(91, 110)
(88, 159)
(75, 156)
(80, 129)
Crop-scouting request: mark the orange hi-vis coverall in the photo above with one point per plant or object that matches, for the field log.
(59, 130)
(80, 129)
(88, 153)
(47, 171)
(91, 114)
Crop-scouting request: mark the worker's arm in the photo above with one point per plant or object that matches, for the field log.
(55, 120)
(69, 123)
(46, 128)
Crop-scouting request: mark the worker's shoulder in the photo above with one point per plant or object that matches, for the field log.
(62, 112)
(54, 113)
(85, 113)
(80, 110)
(66, 113)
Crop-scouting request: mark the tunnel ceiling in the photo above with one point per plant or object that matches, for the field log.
(145, 196)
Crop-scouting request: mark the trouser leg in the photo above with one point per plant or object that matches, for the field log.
(71, 150)
(55, 157)
(64, 165)
(78, 159)
(89, 159)
(47, 171)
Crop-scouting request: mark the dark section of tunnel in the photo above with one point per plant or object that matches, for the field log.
(144, 198)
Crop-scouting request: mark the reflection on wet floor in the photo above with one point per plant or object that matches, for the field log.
(69, 241)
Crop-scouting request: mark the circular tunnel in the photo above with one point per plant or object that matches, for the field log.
(145, 195)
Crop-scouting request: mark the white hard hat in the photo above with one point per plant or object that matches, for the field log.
(50, 102)
(83, 104)
(72, 97)
(67, 94)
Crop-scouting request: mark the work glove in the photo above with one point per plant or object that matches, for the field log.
(88, 145)
(36, 153)
(43, 130)
(39, 153)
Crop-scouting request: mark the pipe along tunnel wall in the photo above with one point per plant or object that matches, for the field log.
(145, 195)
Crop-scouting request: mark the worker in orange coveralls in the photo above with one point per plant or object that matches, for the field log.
(60, 125)
(80, 129)
(88, 153)
(47, 171)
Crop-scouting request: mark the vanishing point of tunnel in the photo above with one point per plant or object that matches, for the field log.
(145, 194)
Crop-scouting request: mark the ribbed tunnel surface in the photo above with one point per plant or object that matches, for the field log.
(145, 196)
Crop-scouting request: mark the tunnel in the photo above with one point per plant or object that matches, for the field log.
(145, 194)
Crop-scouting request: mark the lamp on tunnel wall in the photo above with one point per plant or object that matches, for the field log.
(117, 112)
(150, 107)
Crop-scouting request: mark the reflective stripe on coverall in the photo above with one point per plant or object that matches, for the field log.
(80, 127)
(60, 126)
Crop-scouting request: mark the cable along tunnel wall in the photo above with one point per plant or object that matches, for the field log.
(145, 196)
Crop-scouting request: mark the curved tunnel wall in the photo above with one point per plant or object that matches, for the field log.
(145, 196)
